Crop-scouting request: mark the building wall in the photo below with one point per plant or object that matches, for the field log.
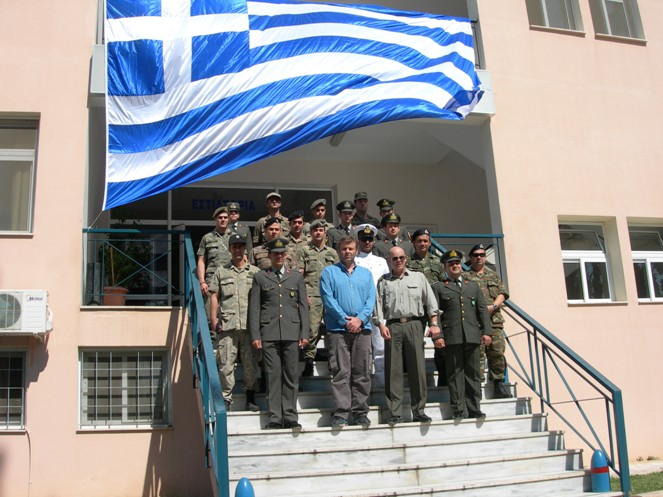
(577, 135)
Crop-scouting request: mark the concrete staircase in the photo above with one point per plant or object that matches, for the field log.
(509, 453)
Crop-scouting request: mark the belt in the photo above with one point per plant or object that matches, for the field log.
(403, 320)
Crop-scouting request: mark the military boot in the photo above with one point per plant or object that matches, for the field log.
(500, 391)
(308, 368)
(251, 401)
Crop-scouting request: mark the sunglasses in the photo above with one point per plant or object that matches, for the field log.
(478, 255)
(398, 258)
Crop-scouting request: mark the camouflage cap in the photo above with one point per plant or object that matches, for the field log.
(318, 222)
(317, 202)
(361, 195)
(345, 206)
(277, 245)
(452, 255)
(219, 210)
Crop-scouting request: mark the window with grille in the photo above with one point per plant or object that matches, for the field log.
(12, 390)
(127, 388)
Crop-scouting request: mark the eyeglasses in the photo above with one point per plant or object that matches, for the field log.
(398, 258)
(478, 255)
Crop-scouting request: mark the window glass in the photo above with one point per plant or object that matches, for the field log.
(12, 390)
(562, 14)
(573, 278)
(617, 18)
(581, 237)
(657, 278)
(641, 280)
(597, 280)
(645, 241)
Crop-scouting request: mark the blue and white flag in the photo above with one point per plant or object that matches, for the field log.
(196, 88)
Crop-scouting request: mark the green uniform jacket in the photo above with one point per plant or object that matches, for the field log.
(491, 286)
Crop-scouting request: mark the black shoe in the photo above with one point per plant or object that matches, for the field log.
(457, 415)
(308, 368)
(291, 424)
(363, 420)
(273, 426)
(421, 418)
(501, 391)
(339, 422)
(394, 420)
(251, 401)
(476, 414)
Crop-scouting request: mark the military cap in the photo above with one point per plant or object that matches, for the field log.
(346, 205)
(320, 201)
(391, 218)
(366, 231)
(318, 222)
(420, 232)
(237, 238)
(361, 195)
(271, 221)
(219, 210)
(478, 246)
(385, 203)
(273, 194)
(295, 215)
(452, 255)
(277, 245)
(233, 206)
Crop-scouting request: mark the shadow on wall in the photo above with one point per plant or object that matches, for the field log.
(176, 459)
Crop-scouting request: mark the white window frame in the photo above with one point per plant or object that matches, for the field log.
(588, 256)
(126, 420)
(22, 155)
(647, 258)
(574, 19)
(4, 415)
(601, 20)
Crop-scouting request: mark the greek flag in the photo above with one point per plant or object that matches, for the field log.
(196, 88)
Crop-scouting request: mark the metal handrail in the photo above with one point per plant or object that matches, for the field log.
(548, 355)
(206, 374)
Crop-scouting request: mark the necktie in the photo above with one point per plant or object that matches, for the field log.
(457, 282)
(278, 275)
(394, 242)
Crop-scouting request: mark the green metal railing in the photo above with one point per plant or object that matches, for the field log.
(564, 382)
(206, 374)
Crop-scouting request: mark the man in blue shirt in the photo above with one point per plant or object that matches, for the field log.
(348, 297)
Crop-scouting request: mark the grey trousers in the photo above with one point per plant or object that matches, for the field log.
(281, 361)
(350, 362)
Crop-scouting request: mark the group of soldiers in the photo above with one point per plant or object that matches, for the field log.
(375, 290)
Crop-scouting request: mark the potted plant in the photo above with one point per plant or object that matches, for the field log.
(125, 256)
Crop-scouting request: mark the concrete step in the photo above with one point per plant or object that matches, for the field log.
(361, 476)
(321, 416)
(242, 441)
(424, 451)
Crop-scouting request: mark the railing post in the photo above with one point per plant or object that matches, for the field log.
(622, 448)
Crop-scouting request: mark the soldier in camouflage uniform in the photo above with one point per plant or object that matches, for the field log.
(236, 227)
(273, 203)
(361, 211)
(422, 260)
(260, 255)
(296, 238)
(213, 252)
(229, 303)
(318, 211)
(312, 259)
(495, 294)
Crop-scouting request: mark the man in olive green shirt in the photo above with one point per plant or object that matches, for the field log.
(422, 260)
(273, 204)
(229, 290)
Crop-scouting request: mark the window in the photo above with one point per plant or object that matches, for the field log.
(18, 142)
(585, 263)
(647, 250)
(562, 14)
(617, 18)
(124, 388)
(12, 390)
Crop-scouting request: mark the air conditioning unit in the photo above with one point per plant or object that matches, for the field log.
(24, 312)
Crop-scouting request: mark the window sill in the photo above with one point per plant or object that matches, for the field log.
(624, 39)
(122, 429)
(153, 308)
(13, 431)
(595, 304)
(562, 31)
(650, 302)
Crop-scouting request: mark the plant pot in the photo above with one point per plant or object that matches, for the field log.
(115, 295)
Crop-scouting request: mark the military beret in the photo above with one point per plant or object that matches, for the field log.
(271, 221)
(320, 201)
(366, 231)
(361, 195)
(295, 215)
(420, 232)
(233, 206)
(219, 210)
(391, 218)
(478, 246)
(318, 222)
(237, 238)
(452, 255)
(277, 245)
(273, 194)
(385, 203)
(346, 205)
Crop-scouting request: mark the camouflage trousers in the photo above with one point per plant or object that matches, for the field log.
(315, 313)
(495, 354)
(228, 345)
